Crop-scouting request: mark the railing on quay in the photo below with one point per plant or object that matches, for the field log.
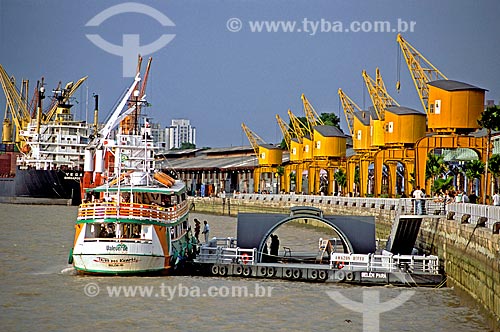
(131, 211)
(385, 263)
(485, 215)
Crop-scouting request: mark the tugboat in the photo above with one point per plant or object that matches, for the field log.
(134, 218)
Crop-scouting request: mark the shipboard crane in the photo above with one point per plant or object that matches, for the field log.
(378, 94)
(94, 153)
(130, 123)
(254, 139)
(312, 117)
(285, 130)
(62, 97)
(16, 109)
(421, 71)
(350, 107)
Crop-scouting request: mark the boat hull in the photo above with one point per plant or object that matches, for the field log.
(120, 264)
(35, 183)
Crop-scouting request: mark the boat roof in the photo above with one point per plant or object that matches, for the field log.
(177, 188)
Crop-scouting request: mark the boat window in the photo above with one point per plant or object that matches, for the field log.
(147, 232)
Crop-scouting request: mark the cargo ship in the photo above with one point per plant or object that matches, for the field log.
(45, 160)
(42, 151)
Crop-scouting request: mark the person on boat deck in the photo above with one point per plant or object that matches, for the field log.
(206, 231)
(103, 232)
(197, 229)
(275, 245)
(111, 232)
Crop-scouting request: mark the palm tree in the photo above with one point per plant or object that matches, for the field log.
(442, 184)
(340, 178)
(473, 170)
(490, 120)
(434, 167)
(280, 170)
(494, 168)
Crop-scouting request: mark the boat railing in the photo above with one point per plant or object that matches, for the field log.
(120, 240)
(226, 255)
(132, 211)
(386, 263)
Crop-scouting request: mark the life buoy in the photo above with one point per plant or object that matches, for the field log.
(215, 269)
(296, 273)
(245, 258)
(247, 271)
(270, 271)
(340, 265)
(349, 276)
(222, 270)
(322, 274)
(288, 273)
(238, 270)
(340, 275)
(314, 274)
(263, 271)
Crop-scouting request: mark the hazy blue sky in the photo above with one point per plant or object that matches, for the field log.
(218, 78)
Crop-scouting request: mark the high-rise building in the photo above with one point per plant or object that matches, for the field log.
(180, 131)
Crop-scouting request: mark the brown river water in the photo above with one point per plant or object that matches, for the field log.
(40, 292)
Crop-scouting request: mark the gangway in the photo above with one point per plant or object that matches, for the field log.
(407, 223)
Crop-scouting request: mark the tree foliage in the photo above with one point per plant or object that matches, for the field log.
(474, 169)
(442, 184)
(490, 118)
(340, 177)
(435, 166)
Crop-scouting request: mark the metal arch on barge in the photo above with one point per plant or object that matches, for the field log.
(345, 263)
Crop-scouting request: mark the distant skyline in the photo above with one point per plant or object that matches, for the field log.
(212, 66)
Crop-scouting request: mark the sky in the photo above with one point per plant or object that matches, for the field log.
(211, 65)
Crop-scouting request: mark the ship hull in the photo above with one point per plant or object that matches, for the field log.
(118, 264)
(48, 184)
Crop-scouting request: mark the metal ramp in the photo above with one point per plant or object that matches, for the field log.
(404, 234)
(406, 226)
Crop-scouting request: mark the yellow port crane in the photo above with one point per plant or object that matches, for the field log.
(254, 139)
(421, 70)
(312, 117)
(350, 107)
(297, 126)
(285, 130)
(378, 94)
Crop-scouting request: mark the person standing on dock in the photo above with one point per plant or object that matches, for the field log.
(418, 195)
(206, 231)
(496, 199)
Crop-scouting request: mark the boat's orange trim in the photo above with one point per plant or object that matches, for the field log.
(161, 232)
